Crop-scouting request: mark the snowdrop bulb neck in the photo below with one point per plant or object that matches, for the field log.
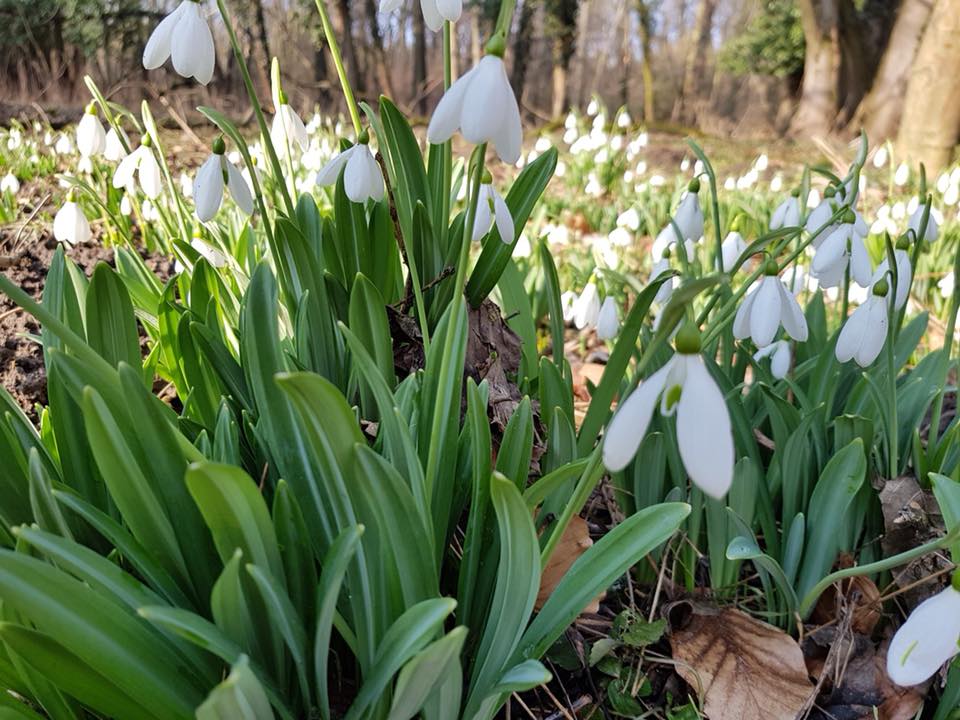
(688, 339)
(496, 46)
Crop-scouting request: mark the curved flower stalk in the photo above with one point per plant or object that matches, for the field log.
(185, 37)
(865, 332)
(70, 225)
(143, 164)
(435, 12)
(929, 638)
(843, 245)
(608, 322)
(931, 232)
(787, 213)
(362, 176)
(482, 106)
(586, 308)
(214, 175)
(704, 434)
(780, 358)
(91, 137)
(492, 208)
(766, 308)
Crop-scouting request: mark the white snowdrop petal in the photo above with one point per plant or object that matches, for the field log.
(149, 174)
(876, 332)
(157, 49)
(587, 307)
(431, 14)
(852, 333)
(741, 321)
(330, 173)
(239, 190)
(791, 315)
(296, 130)
(450, 10)
(191, 48)
(780, 361)
(91, 137)
(704, 435)
(504, 219)
(830, 251)
(508, 137)
(208, 188)
(445, 120)
(483, 218)
(625, 432)
(765, 313)
(389, 5)
(860, 267)
(356, 178)
(375, 188)
(607, 321)
(481, 117)
(123, 175)
(928, 638)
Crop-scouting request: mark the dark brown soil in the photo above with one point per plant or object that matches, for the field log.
(21, 358)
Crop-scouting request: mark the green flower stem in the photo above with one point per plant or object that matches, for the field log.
(108, 113)
(447, 54)
(473, 198)
(893, 441)
(175, 200)
(810, 599)
(341, 69)
(505, 18)
(258, 112)
(585, 485)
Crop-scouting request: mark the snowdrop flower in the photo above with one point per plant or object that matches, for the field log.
(729, 184)
(586, 309)
(928, 639)
(434, 11)
(952, 195)
(362, 177)
(865, 332)
(287, 129)
(689, 216)
(185, 37)
(186, 185)
(666, 290)
(570, 123)
(491, 209)
(931, 231)
(593, 108)
(623, 121)
(766, 308)
(761, 163)
(70, 225)
(629, 219)
(704, 435)
(9, 184)
(947, 284)
(481, 104)
(779, 354)
(91, 137)
(620, 237)
(821, 213)
(126, 208)
(522, 249)
(731, 249)
(568, 301)
(63, 146)
(215, 174)
(113, 146)
(143, 163)
(558, 235)
(904, 272)
(880, 157)
(777, 183)
(608, 324)
(787, 214)
(844, 244)
(657, 181)
(902, 174)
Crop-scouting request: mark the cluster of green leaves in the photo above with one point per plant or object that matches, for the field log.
(771, 44)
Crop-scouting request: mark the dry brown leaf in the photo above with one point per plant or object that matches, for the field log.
(573, 543)
(743, 669)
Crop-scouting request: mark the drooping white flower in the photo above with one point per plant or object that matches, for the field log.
(947, 284)
(902, 174)
(766, 308)
(629, 219)
(362, 177)
(928, 639)
(492, 208)
(70, 225)
(704, 436)
(779, 354)
(865, 331)
(9, 184)
(287, 130)
(185, 37)
(904, 274)
(842, 245)
(568, 302)
(63, 146)
(481, 104)
(689, 216)
(142, 163)
(215, 174)
(113, 146)
(586, 309)
(931, 232)
(434, 11)
(880, 157)
(787, 214)
(608, 323)
(91, 137)
(666, 290)
(731, 249)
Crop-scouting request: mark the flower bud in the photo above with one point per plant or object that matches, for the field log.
(771, 268)
(881, 288)
(694, 186)
(219, 146)
(688, 339)
(496, 46)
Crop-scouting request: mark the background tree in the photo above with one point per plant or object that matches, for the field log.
(561, 29)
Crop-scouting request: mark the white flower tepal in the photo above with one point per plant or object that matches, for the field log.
(482, 106)
(779, 354)
(214, 175)
(928, 639)
(586, 308)
(91, 137)
(185, 37)
(704, 435)
(142, 163)
(787, 214)
(865, 332)
(70, 224)
(362, 177)
(765, 309)
(608, 324)
(434, 11)
(492, 208)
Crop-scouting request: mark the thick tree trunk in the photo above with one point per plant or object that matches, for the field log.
(384, 81)
(583, 35)
(263, 65)
(930, 126)
(352, 60)
(521, 47)
(856, 63)
(626, 58)
(821, 67)
(419, 62)
(879, 112)
(561, 27)
(686, 108)
(646, 69)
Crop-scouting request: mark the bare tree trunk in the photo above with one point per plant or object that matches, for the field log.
(646, 69)
(561, 27)
(687, 105)
(583, 36)
(419, 62)
(521, 48)
(856, 63)
(930, 126)
(379, 55)
(879, 112)
(821, 67)
(354, 71)
(626, 59)
(261, 27)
